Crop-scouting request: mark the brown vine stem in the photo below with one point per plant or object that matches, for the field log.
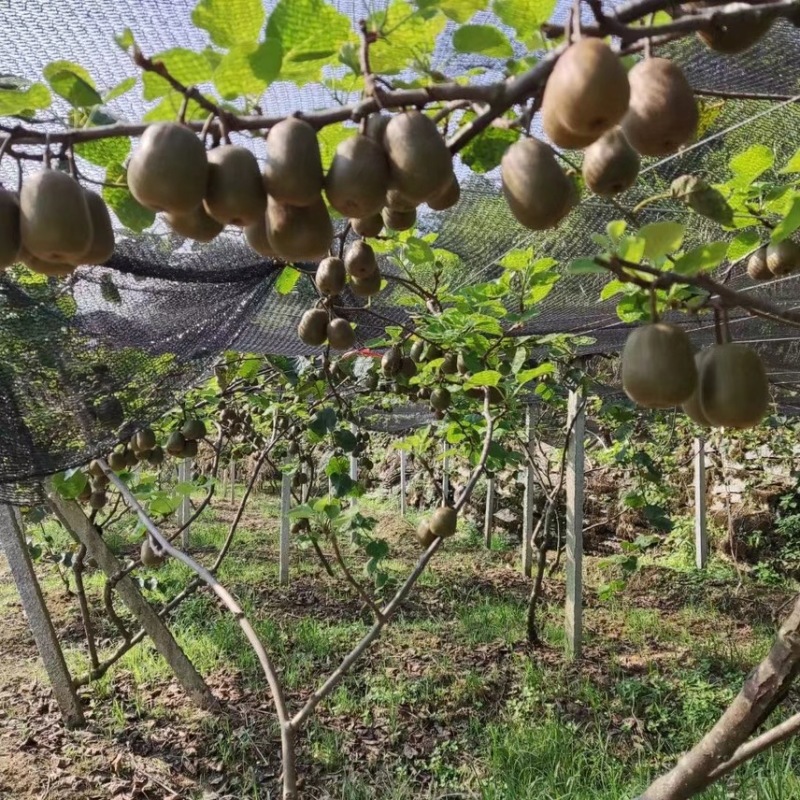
(88, 628)
(227, 599)
(391, 608)
(357, 586)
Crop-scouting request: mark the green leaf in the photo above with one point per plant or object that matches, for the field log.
(170, 106)
(418, 252)
(616, 228)
(407, 37)
(73, 88)
(230, 22)
(525, 17)
(749, 164)
(302, 512)
(661, 238)
(793, 164)
(701, 259)
(186, 66)
(104, 152)
(528, 375)
(583, 266)
(457, 10)
(743, 244)
(248, 69)
(484, 39)
(310, 33)
(286, 280)
(129, 212)
(123, 87)
(520, 357)
(125, 40)
(612, 288)
(54, 67)
(16, 101)
(484, 152)
(790, 223)
(631, 248)
(487, 377)
(70, 484)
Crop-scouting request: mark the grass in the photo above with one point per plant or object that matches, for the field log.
(451, 702)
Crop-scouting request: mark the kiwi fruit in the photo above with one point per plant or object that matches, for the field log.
(193, 429)
(299, 233)
(293, 170)
(537, 190)
(757, 267)
(568, 139)
(257, 237)
(94, 469)
(55, 269)
(195, 224)
(116, 461)
(449, 364)
(461, 364)
(733, 386)
(149, 556)
(440, 399)
(391, 361)
(189, 449)
(367, 226)
(443, 522)
(131, 459)
(358, 177)
(55, 222)
(662, 114)
(783, 258)
(446, 198)
(658, 366)
(408, 367)
(175, 443)
(734, 37)
(331, 276)
(100, 482)
(693, 407)
(168, 170)
(399, 220)
(10, 240)
(424, 535)
(366, 287)
(417, 350)
(235, 190)
(420, 163)
(145, 439)
(610, 165)
(395, 200)
(587, 92)
(98, 499)
(376, 126)
(155, 456)
(85, 493)
(102, 245)
(340, 334)
(360, 261)
(313, 327)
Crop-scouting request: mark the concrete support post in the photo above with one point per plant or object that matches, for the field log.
(528, 504)
(574, 477)
(700, 528)
(286, 506)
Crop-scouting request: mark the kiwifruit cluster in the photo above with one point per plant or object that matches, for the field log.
(53, 225)
(318, 325)
(729, 37)
(440, 525)
(722, 386)
(772, 260)
(182, 443)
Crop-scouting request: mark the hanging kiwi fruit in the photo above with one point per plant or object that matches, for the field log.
(51, 268)
(331, 276)
(447, 197)
(783, 257)
(440, 399)
(366, 287)
(367, 226)
(299, 233)
(424, 534)
(293, 170)
(10, 239)
(658, 366)
(360, 261)
(148, 555)
(235, 190)
(175, 443)
(257, 237)
(537, 190)
(392, 361)
(732, 37)
(313, 327)
(586, 94)
(399, 220)
(757, 267)
(662, 114)
(116, 461)
(692, 407)
(168, 170)
(195, 224)
(340, 334)
(610, 165)
(193, 429)
(145, 439)
(102, 243)
(442, 522)
(358, 177)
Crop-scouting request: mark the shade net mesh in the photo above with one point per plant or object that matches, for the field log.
(148, 325)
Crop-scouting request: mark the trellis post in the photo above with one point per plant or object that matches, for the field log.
(488, 522)
(445, 473)
(403, 482)
(286, 506)
(700, 529)
(185, 508)
(527, 513)
(353, 464)
(574, 550)
(13, 542)
(232, 478)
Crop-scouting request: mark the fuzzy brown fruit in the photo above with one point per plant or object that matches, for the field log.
(447, 198)
(693, 408)
(358, 177)
(299, 234)
(175, 443)
(257, 237)
(116, 461)
(443, 522)
(148, 555)
(662, 114)
(757, 267)
(331, 276)
(168, 170)
(399, 220)
(10, 239)
(391, 361)
(102, 246)
(54, 269)
(537, 190)
(734, 37)
(366, 287)
(440, 399)
(610, 165)
(783, 258)
(420, 163)
(367, 226)
(55, 223)
(587, 92)
(193, 429)
(408, 367)
(340, 334)
(195, 224)
(360, 261)
(376, 126)
(189, 449)
(145, 439)
(395, 200)
(155, 456)
(658, 367)
(424, 534)
(235, 191)
(293, 170)
(733, 386)
(313, 327)
(98, 499)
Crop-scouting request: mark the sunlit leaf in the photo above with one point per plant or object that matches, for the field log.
(661, 238)
(484, 39)
(790, 223)
(702, 258)
(749, 164)
(123, 87)
(525, 17)
(230, 22)
(486, 377)
(129, 212)
(248, 69)
(16, 101)
(186, 66)
(407, 35)
(743, 244)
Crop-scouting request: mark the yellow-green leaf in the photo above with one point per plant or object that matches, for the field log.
(750, 164)
(15, 101)
(702, 258)
(286, 281)
(661, 238)
(484, 39)
(230, 22)
(248, 69)
(525, 17)
(129, 212)
(186, 66)
(406, 36)
(790, 223)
